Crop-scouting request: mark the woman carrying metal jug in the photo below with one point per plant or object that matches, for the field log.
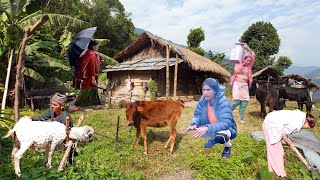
(241, 80)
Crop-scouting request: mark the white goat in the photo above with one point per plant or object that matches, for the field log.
(43, 136)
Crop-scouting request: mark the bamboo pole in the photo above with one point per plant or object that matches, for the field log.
(109, 98)
(167, 73)
(300, 156)
(67, 128)
(175, 78)
(69, 145)
(5, 92)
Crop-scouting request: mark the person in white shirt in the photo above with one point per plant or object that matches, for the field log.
(276, 126)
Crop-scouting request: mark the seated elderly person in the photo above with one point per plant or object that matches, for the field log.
(56, 111)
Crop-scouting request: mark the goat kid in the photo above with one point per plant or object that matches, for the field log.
(43, 136)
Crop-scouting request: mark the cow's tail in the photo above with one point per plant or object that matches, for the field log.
(10, 132)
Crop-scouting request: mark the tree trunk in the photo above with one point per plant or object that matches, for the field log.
(20, 57)
(18, 75)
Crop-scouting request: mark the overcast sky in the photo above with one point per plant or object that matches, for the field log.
(297, 23)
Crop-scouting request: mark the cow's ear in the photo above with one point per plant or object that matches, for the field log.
(140, 109)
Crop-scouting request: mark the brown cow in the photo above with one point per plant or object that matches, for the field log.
(157, 113)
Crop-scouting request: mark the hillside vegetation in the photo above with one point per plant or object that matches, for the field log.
(314, 76)
(102, 159)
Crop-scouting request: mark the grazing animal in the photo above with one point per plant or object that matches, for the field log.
(268, 95)
(43, 136)
(157, 113)
(301, 95)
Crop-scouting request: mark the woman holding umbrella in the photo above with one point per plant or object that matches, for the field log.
(89, 69)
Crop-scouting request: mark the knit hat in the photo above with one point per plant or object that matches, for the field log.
(212, 83)
(59, 98)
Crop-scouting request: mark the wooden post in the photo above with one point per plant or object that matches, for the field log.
(67, 128)
(69, 145)
(109, 98)
(175, 77)
(167, 73)
(117, 134)
(80, 120)
(130, 97)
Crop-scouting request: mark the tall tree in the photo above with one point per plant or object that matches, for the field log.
(282, 64)
(16, 20)
(195, 37)
(110, 18)
(263, 39)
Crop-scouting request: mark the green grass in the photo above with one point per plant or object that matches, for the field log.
(102, 159)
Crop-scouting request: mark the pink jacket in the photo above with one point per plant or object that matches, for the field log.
(239, 67)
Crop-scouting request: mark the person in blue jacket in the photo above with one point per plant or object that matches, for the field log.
(213, 117)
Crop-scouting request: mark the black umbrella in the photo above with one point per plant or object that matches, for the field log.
(79, 44)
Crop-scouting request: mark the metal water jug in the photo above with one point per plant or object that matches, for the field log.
(237, 53)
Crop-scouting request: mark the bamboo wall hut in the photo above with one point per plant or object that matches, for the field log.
(146, 58)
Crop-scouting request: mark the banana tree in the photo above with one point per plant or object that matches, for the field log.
(37, 62)
(18, 25)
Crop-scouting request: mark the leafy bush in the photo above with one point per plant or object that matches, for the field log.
(119, 104)
(153, 88)
(102, 78)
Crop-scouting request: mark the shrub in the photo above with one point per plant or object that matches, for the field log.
(152, 86)
(102, 78)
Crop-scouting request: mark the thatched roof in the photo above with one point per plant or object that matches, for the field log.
(194, 60)
(297, 77)
(268, 70)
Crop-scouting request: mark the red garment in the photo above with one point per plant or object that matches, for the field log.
(90, 63)
(238, 68)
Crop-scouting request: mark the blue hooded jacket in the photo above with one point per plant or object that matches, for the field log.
(222, 111)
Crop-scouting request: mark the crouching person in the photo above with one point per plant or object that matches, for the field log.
(276, 126)
(56, 112)
(213, 117)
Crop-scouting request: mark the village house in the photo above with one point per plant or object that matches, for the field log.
(146, 59)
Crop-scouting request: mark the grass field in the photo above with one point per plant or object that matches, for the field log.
(102, 159)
